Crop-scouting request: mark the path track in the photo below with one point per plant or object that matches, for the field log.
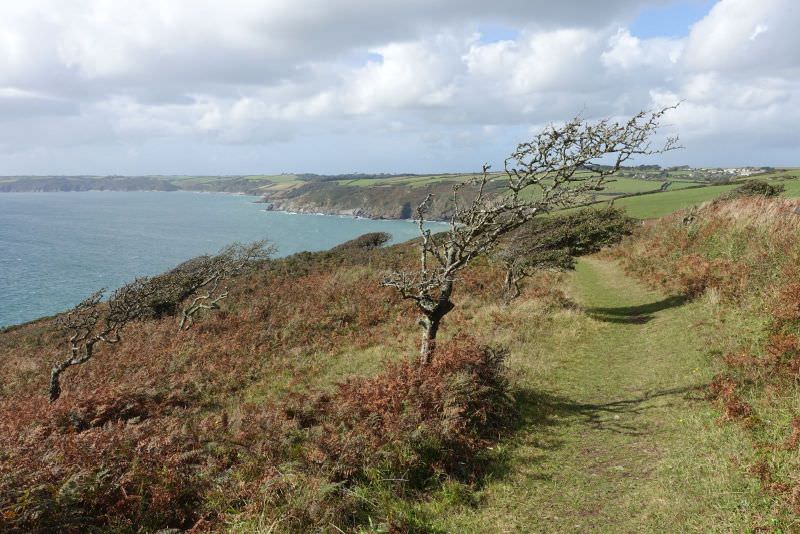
(615, 434)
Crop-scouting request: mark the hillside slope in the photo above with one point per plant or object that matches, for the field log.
(591, 404)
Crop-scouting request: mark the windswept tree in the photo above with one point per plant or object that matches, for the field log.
(202, 281)
(369, 241)
(92, 322)
(553, 243)
(559, 168)
(198, 284)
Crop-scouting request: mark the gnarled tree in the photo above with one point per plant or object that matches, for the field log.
(369, 241)
(200, 282)
(203, 279)
(553, 243)
(93, 321)
(559, 168)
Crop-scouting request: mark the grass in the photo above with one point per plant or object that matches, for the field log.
(413, 181)
(633, 185)
(616, 435)
(614, 430)
(681, 193)
(619, 185)
(740, 259)
(660, 204)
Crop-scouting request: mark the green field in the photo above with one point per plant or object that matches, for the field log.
(660, 204)
(413, 181)
(682, 193)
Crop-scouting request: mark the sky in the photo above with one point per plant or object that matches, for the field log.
(340, 86)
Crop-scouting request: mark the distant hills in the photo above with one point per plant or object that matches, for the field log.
(646, 191)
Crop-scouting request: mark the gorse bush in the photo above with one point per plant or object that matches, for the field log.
(554, 243)
(364, 242)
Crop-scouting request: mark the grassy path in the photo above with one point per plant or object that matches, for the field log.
(615, 434)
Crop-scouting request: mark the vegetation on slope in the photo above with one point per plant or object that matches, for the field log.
(740, 259)
(166, 453)
(259, 419)
(247, 419)
(614, 432)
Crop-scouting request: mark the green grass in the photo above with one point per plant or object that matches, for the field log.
(792, 188)
(615, 433)
(790, 171)
(660, 204)
(631, 185)
(413, 181)
(276, 181)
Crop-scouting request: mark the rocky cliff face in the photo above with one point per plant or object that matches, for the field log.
(374, 202)
(381, 201)
(298, 206)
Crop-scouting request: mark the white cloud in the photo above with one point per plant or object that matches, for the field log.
(743, 36)
(93, 75)
(627, 52)
(758, 30)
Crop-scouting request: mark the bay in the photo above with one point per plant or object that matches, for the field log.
(57, 248)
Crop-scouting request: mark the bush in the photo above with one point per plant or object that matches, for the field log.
(415, 421)
(756, 188)
(393, 435)
(364, 242)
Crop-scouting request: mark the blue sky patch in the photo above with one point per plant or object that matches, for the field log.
(492, 33)
(670, 20)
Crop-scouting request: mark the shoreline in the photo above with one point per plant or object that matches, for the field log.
(354, 213)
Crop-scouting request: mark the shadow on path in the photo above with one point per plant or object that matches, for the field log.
(545, 409)
(635, 314)
(539, 411)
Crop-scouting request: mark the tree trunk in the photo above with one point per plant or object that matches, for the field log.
(430, 327)
(511, 285)
(55, 373)
(509, 281)
(55, 376)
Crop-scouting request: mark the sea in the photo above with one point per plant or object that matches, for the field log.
(58, 248)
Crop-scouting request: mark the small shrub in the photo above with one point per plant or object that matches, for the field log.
(364, 242)
(416, 420)
(724, 391)
(756, 188)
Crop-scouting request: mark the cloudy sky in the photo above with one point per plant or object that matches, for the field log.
(332, 86)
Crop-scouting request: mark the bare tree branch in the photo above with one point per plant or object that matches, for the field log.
(210, 273)
(559, 168)
(94, 321)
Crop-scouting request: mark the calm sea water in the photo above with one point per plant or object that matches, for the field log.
(57, 248)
